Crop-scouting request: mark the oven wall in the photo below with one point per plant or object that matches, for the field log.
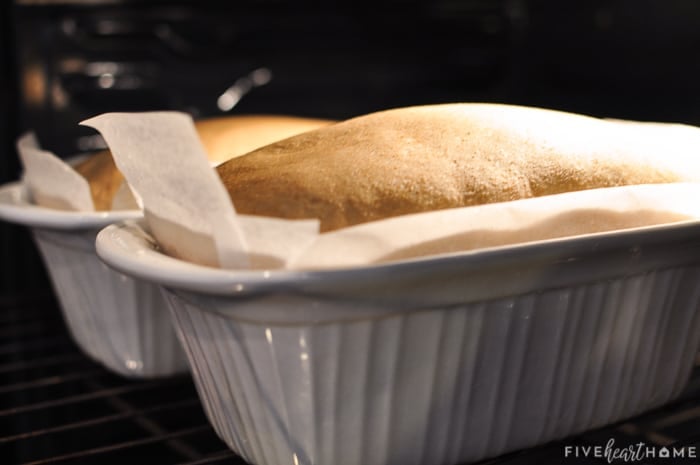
(20, 268)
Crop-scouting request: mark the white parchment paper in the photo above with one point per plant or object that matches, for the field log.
(506, 223)
(52, 182)
(126, 199)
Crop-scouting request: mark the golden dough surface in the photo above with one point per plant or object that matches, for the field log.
(425, 158)
(103, 177)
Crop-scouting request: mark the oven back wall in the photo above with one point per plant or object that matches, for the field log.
(21, 270)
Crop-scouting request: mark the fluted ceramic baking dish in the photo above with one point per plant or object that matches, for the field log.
(119, 322)
(440, 360)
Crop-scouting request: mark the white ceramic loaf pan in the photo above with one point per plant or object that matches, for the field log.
(441, 360)
(119, 322)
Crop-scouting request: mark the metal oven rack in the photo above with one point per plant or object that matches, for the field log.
(59, 407)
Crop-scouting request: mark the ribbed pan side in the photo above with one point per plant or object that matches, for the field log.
(444, 385)
(120, 322)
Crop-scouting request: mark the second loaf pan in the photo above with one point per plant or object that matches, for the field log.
(120, 322)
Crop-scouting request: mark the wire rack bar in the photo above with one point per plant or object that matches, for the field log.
(99, 421)
(121, 445)
(224, 454)
(83, 397)
(49, 381)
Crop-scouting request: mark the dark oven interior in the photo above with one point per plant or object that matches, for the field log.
(64, 61)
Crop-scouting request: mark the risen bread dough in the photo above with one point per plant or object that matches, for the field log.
(223, 138)
(433, 157)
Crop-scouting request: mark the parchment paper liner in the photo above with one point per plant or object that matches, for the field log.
(191, 216)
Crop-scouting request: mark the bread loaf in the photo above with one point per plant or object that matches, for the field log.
(434, 157)
(223, 138)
